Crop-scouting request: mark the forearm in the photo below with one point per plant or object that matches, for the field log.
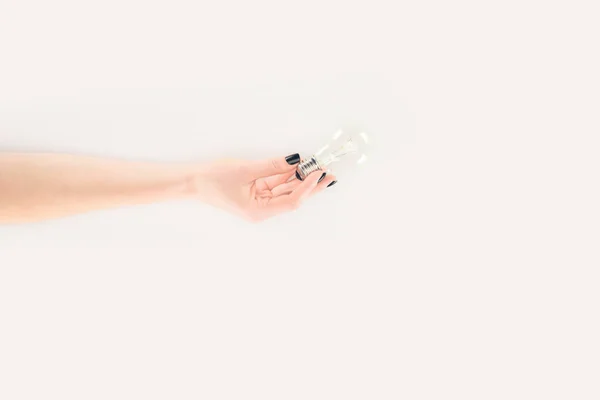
(39, 186)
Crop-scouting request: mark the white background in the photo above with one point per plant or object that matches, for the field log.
(460, 263)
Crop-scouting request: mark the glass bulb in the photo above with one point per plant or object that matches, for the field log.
(344, 150)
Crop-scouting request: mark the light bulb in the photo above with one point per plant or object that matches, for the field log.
(344, 149)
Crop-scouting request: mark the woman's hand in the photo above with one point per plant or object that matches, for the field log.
(257, 190)
(40, 186)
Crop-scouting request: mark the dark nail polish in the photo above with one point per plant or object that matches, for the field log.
(332, 183)
(322, 177)
(298, 176)
(293, 159)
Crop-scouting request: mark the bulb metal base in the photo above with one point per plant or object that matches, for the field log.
(306, 167)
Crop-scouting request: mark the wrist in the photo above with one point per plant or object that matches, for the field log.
(194, 181)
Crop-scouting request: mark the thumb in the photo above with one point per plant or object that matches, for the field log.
(273, 166)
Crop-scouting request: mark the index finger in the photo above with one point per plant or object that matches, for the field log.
(293, 200)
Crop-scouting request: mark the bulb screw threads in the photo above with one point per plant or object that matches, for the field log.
(306, 167)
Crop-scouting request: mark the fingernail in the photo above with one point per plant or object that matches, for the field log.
(322, 177)
(298, 176)
(332, 183)
(293, 159)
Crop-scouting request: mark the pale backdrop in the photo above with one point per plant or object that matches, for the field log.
(459, 263)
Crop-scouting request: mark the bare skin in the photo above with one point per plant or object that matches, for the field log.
(40, 186)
